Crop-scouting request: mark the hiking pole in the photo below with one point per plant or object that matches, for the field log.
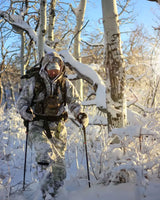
(26, 123)
(85, 144)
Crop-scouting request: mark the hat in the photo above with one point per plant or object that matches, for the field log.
(53, 64)
(52, 57)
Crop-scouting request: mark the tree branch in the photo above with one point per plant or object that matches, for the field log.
(77, 33)
(3, 70)
(124, 7)
(93, 45)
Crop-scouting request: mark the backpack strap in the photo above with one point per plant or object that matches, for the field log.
(39, 87)
(62, 84)
(64, 91)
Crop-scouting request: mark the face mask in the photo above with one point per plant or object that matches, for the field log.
(53, 69)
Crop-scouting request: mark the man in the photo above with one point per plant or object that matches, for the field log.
(42, 103)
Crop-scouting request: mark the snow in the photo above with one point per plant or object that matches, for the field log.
(125, 191)
(143, 182)
(101, 192)
(89, 73)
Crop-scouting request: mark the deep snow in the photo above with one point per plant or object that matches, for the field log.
(12, 143)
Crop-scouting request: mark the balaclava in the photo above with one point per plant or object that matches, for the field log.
(53, 64)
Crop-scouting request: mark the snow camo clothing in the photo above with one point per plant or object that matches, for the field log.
(50, 151)
(49, 154)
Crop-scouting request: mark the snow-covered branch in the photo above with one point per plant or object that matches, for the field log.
(84, 71)
(87, 73)
(18, 22)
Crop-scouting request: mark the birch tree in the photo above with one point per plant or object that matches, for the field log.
(114, 66)
(79, 12)
(51, 24)
(42, 28)
(3, 55)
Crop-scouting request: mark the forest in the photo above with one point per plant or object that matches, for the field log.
(114, 66)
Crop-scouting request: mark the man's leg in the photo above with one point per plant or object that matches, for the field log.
(43, 155)
(49, 155)
(58, 140)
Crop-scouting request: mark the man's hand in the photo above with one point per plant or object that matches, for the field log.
(27, 114)
(83, 119)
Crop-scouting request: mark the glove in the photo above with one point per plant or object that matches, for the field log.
(27, 114)
(83, 119)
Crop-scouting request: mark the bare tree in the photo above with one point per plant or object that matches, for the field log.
(51, 24)
(114, 65)
(42, 28)
(2, 66)
(79, 12)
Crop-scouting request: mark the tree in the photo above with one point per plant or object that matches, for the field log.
(79, 13)
(2, 67)
(42, 28)
(142, 68)
(51, 25)
(114, 65)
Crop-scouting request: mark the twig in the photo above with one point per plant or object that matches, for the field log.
(3, 70)
(93, 45)
(78, 33)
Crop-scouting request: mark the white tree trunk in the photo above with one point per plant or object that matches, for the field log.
(42, 29)
(114, 65)
(79, 13)
(51, 20)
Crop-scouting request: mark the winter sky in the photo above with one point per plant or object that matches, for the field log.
(144, 11)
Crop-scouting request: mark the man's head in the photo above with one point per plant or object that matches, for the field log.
(53, 64)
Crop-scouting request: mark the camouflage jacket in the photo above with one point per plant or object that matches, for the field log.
(49, 96)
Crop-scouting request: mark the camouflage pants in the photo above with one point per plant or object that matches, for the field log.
(49, 154)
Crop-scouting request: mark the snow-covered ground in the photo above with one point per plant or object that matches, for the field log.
(124, 191)
(141, 161)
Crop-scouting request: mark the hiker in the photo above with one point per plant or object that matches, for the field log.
(42, 102)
